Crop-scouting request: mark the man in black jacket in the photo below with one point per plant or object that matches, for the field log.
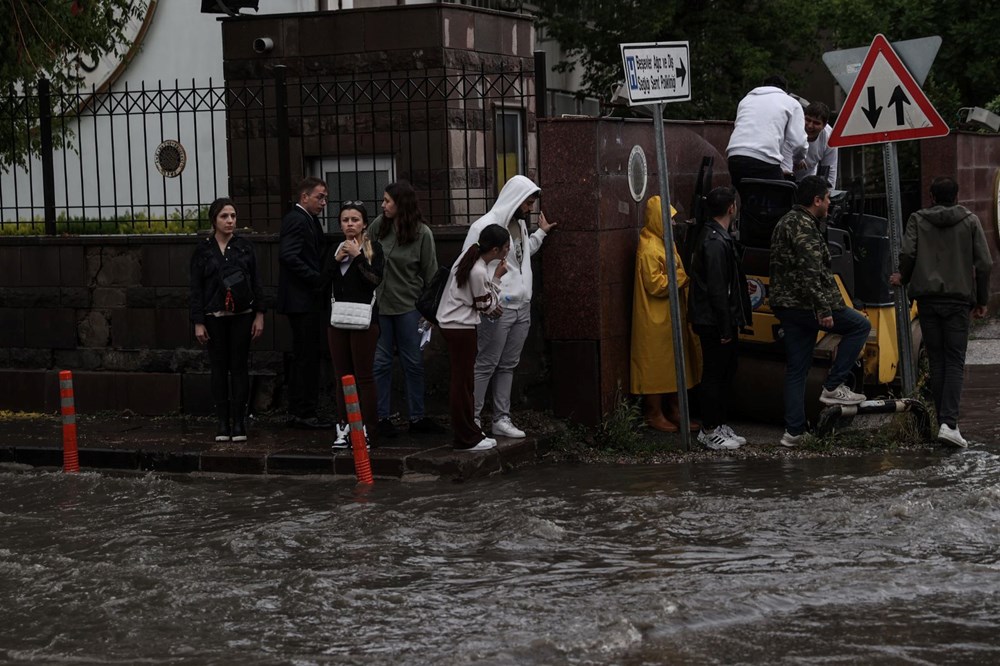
(300, 256)
(718, 308)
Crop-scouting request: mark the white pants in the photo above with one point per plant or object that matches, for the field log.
(500, 344)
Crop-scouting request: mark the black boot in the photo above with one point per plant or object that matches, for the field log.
(239, 423)
(222, 433)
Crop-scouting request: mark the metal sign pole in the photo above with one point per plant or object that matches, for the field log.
(902, 303)
(675, 306)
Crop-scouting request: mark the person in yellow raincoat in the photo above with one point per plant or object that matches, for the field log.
(653, 375)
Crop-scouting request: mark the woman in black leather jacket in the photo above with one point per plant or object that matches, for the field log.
(354, 269)
(227, 310)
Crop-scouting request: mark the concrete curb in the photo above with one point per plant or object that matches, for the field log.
(387, 463)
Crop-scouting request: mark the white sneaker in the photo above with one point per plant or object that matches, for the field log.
(790, 440)
(717, 440)
(343, 439)
(505, 428)
(949, 435)
(841, 396)
(485, 445)
(728, 432)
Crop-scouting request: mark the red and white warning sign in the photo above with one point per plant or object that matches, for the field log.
(885, 104)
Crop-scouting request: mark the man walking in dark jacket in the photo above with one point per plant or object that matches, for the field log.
(805, 298)
(718, 307)
(300, 257)
(946, 262)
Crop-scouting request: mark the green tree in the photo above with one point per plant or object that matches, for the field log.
(734, 44)
(46, 39)
(964, 72)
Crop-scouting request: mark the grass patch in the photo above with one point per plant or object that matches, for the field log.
(6, 416)
(620, 429)
(186, 221)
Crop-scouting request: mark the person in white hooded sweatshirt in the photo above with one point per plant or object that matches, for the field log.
(501, 340)
(769, 122)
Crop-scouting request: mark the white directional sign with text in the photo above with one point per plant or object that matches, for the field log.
(657, 72)
(885, 104)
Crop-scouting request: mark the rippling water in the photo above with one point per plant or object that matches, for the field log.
(875, 560)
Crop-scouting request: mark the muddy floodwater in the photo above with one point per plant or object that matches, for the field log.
(888, 559)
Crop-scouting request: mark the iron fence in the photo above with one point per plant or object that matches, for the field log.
(500, 5)
(151, 158)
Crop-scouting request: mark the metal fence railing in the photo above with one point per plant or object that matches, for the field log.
(151, 158)
(101, 162)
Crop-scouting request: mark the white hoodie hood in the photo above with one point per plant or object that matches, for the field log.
(515, 285)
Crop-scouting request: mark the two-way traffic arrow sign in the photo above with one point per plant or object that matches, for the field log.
(884, 84)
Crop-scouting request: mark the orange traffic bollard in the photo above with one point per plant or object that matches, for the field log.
(362, 465)
(71, 458)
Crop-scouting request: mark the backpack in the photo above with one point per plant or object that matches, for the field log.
(432, 293)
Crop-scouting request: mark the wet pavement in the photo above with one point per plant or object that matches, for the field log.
(184, 444)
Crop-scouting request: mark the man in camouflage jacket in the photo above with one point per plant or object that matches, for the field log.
(805, 298)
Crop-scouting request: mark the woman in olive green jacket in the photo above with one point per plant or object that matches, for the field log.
(410, 263)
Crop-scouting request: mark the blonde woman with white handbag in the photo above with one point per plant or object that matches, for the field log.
(353, 271)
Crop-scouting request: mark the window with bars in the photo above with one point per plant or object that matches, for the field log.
(509, 142)
(361, 178)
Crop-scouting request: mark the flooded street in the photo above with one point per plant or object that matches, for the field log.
(889, 559)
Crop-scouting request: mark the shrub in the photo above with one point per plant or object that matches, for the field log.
(186, 221)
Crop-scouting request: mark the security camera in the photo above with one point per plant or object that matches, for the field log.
(978, 118)
(263, 44)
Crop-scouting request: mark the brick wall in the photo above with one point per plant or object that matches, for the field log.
(114, 310)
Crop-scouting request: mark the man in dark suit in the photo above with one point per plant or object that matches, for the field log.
(300, 256)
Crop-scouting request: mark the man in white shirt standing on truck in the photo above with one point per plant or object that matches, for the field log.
(769, 121)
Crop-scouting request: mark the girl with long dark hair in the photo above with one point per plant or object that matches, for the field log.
(470, 293)
(354, 271)
(410, 263)
(227, 310)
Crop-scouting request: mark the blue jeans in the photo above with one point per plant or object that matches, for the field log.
(400, 331)
(800, 328)
(946, 337)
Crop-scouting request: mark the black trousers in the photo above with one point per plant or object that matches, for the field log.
(945, 326)
(353, 353)
(719, 362)
(741, 167)
(462, 349)
(308, 330)
(229, 354)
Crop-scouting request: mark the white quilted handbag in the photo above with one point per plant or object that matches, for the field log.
(351, 316)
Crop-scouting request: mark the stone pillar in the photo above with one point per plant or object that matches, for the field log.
(973, 159)
(589, 262)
